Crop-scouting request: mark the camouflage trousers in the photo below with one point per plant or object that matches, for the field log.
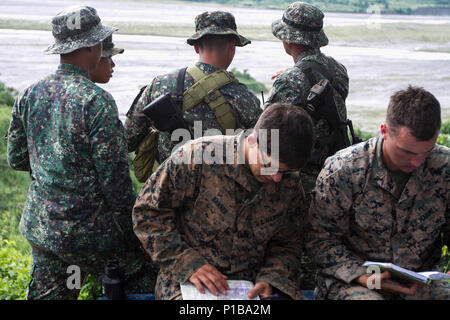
(338, 290)
(51, 272)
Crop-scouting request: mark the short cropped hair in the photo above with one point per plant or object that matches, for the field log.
(213, 41)
(417, 109)
(296, 133)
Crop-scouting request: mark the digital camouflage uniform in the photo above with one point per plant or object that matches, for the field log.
(302, 24)
(66, 131)
(188, 215)
(244, 104)
(358, 214)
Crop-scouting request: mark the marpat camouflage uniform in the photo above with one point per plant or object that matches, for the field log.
(188, 215)
(244, 104)
(303, 24)
(66, 131)
(356, 216)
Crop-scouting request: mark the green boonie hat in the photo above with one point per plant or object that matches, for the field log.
(218, 23)
(109, 49)
(75, 28)
(302, 23)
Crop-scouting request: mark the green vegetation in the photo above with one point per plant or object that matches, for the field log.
(15, 253)
(249, 81)
(361, 6)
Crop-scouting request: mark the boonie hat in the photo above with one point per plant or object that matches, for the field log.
(302, 23)
(218, 23)
(75, 28)
(109, 49)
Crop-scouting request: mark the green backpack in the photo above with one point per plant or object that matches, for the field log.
(206, 88)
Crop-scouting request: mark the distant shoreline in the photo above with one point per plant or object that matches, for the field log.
(381, 33)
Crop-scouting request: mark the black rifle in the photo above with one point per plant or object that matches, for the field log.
(166, 112)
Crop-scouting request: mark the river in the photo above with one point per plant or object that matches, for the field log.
(375, 72)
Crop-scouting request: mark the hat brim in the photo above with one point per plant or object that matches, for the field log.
(112, 52)
(241, 40)
(89, 39)
(289, 34)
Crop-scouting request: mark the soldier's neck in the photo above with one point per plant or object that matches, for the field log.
(73, 62)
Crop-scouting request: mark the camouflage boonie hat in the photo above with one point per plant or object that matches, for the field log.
(109, 49)
(75, 28)
(218, 23)
(302, 23)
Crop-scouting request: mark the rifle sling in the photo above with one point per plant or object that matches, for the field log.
(206, 88)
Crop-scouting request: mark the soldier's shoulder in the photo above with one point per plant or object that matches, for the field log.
(438, 161)
(353, 161)
(291, 79)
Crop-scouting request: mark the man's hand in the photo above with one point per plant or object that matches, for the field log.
(277, 74)
(387, 285)
(262, 289)
(208, 276)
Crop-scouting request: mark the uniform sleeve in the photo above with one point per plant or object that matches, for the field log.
(328, 223)
(137, 126)
(17, 150)
(110, 157)
(282, 258)
(158, 210)
(288, 88)
(446, 228)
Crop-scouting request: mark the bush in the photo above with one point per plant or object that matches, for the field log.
(445, 127)
(14, 272)
(7, 95)
(249, 81)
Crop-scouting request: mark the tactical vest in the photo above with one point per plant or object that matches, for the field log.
(206, 89)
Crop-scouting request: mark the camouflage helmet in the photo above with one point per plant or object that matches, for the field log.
(75, 28)
(109, 49)
(302, 23)
(218, 23)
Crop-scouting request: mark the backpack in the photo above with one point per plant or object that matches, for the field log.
(206, 88)
(321, 105)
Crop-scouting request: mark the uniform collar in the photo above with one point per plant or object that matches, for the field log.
(307, 53)
(242, 174)
(206, 68)
(71, 69)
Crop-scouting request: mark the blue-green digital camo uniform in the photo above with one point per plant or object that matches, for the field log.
(245, 106)
(66, 131)
(358, 213)
(303, 24)
(196, 209)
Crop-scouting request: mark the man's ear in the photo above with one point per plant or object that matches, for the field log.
(384, 130)
(252, 140)
(196, 48)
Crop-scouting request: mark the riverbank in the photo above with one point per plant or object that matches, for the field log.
(373, 33)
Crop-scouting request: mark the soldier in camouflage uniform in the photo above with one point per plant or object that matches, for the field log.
(301, 31)
(66, 132)
(215, 41)
(222, 219)
(385, 200)
(104, 70)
